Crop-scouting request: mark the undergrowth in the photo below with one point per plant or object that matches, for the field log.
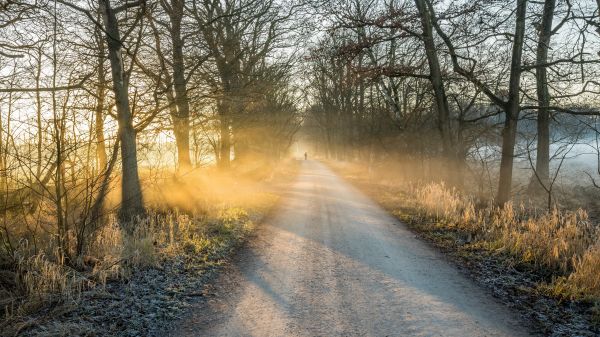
(200, 218)
(563, 244)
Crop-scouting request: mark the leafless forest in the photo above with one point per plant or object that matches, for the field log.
(139, 131)
(502, 85)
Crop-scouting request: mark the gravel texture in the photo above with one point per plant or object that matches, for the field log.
(330, 262)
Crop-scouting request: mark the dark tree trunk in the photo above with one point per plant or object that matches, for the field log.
(509, 133)
(38, 101)
(225, 136)
(441, 100)
(181, 130)
(132, 204)
(181, 121)
(542, 163)
(99, 118)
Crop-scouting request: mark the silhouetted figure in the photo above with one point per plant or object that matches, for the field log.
(305, 155)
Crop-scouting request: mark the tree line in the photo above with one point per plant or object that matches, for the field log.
(94, 93)
(92, 90)
(436, 78)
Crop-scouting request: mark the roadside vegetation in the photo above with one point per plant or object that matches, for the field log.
(130, 132)
(139, 143)
(552, 254)
(474, 123)
(196, 221)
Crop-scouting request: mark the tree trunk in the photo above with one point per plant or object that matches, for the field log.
(441, 100)
(181, 121)
(132, 204)
(542, 163)
(3, 172)
(509, 133)
(181, 130)
(241, 133)
(99, 118)
(225, 136)
(38, 103)
(59, 136)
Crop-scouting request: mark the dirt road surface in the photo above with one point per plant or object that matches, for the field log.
(330, 262)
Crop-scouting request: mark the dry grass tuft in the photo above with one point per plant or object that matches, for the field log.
(198, 217)
(562, 243)
(545, 239)
(584, 281)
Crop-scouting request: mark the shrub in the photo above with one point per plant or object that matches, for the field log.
(585, 279)
(565, 243)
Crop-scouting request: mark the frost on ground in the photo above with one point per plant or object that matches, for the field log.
(139, 307)
(144, 302)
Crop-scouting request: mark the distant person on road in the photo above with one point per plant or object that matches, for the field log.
(305, 155)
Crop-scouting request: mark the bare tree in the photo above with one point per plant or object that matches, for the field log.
(510, 105)
(437, 83)
(132, 205)
(175, 72)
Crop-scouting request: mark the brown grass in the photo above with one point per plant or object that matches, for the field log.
(562, 242)
(202, 214)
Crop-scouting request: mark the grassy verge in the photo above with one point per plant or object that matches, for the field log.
(132, 284)
(544, 262)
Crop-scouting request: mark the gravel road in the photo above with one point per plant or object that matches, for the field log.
(330, 262)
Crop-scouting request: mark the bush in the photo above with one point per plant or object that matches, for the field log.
(545, 239)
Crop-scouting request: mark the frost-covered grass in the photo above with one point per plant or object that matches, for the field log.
(199, 219)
